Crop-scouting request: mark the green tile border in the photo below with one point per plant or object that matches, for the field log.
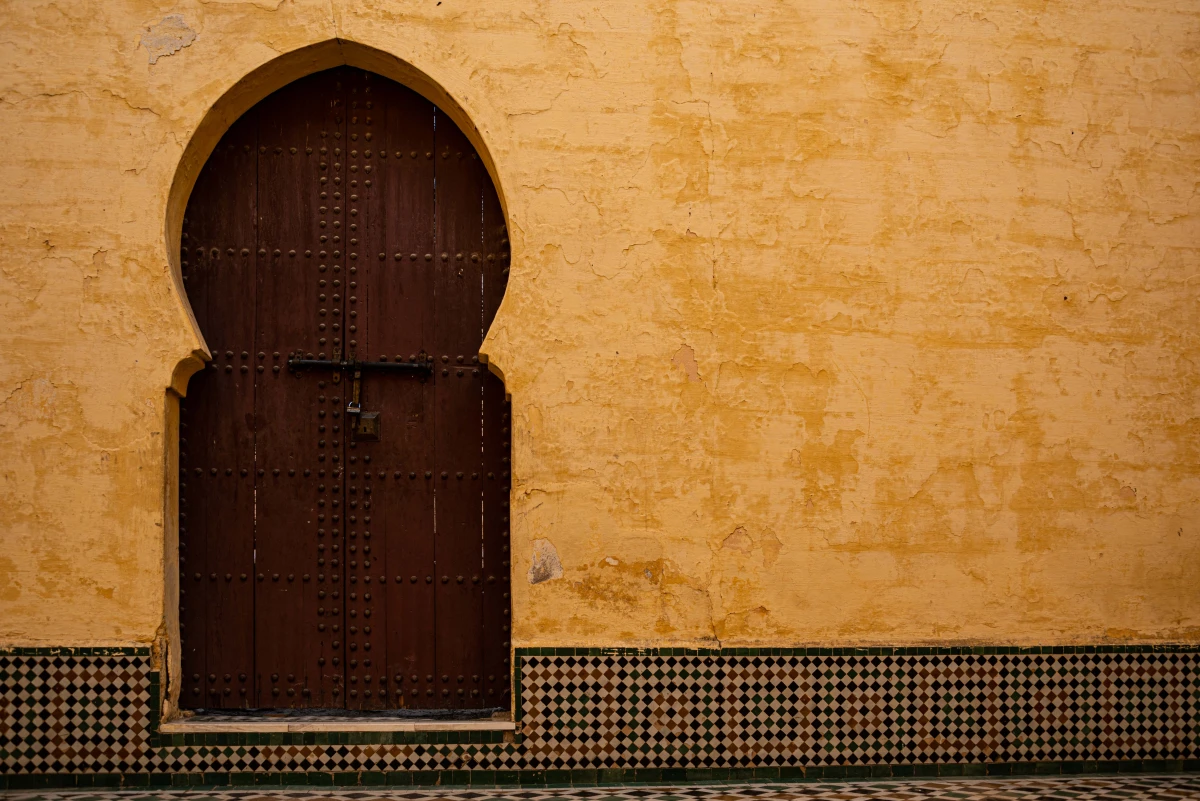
(518, 705)
(899, 650)
(592, 777)
(99, 650)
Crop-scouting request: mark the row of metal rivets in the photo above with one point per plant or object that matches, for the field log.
(335, 327)
(353, 600)
(365, 578)
(184, 263)
(322, 283)
(291, 472)
(214, 253)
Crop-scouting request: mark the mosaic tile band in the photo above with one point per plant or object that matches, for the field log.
(95, 711)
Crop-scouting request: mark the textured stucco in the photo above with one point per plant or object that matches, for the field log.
(829, 322)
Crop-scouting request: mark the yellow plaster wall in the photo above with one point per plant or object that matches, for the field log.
(843, 321)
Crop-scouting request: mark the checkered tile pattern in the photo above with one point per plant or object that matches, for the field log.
(887, 710)
(1092, 788)
(860, 710)
(766, 706)
(606, 712)
(61, 714)
(94, 714)
(1102, 707)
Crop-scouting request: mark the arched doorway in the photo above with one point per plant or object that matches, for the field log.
(344, 463)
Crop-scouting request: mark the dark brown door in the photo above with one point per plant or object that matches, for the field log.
(344, 459)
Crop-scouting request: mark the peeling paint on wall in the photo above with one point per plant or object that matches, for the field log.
(685, 358)
(167, 37)
(828, 323)
(544, 566)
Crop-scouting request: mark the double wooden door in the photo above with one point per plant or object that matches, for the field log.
(344, 457)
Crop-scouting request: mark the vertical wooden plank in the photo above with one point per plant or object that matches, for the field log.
(458, 381)
(496, 254)
(497, 425)
(298, 415)
(403, 301)
(395, 302)
(366, 657)
(216, 437)
(230, 628)
(195, 410)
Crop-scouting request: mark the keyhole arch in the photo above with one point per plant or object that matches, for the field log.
(250, 90)
(239, 101)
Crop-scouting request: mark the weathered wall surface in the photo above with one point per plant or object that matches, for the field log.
(829, 322)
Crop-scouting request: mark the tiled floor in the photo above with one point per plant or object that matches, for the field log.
(1127, 788)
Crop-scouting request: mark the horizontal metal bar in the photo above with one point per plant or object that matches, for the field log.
(326, 364)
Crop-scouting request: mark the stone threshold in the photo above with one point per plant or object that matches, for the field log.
(203, 724)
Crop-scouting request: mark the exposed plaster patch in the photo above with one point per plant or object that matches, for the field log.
(685, 357)
(167, 37)
(738, 540)
(264, 5)
(545, 562)
(10, 588)
(741, 541)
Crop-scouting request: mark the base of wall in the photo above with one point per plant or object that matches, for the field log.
(614, 715)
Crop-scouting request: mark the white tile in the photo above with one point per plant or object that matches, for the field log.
(466, 725)
(192, 726)
(198, 725)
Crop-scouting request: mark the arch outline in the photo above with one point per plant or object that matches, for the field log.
(239, 98)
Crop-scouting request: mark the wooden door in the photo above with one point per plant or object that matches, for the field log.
(344, 457)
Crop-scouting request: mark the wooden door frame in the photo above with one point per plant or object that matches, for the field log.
(232, 104)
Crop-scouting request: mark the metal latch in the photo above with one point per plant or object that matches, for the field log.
(354, 405)
(366, 425)
(296, 363)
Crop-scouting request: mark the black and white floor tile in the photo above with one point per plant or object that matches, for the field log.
(1112, 788)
